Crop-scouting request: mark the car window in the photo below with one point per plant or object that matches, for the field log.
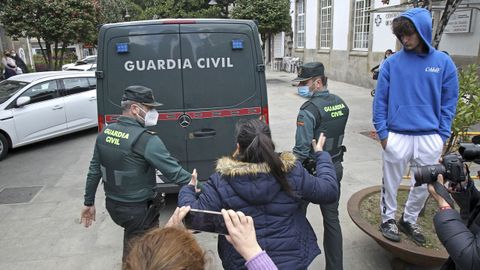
(8, 88)
(75, 85)
(91, 60)
(88, 60)
(42, 91)
(93, 83)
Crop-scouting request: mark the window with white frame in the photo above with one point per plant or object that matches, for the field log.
(325, 24)
(300, 24)
(361, 24)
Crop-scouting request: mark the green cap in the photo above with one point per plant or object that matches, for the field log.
(140, 94)
(310, 70)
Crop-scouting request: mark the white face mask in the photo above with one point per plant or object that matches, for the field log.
(151, 117)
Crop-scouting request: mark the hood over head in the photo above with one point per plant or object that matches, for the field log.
(253, 181)
(422, 20)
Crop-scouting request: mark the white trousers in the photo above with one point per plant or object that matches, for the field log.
(416, 150)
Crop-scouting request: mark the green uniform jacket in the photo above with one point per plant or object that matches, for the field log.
(129, 176)
(331, 113)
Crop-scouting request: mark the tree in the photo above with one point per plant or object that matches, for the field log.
(467, 113)
(273, 16)
(57, 23)
(224, 6)
(181, 9)
(450, 8)
(112, 11)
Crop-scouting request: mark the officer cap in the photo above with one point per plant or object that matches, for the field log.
(310, 70)
(140, 94)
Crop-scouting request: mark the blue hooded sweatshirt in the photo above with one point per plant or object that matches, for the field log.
(416, 93)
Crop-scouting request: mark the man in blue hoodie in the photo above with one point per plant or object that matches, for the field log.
(413, 108)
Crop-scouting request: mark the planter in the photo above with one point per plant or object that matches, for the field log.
(407, 252)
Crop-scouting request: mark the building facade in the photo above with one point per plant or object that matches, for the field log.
(351, 36)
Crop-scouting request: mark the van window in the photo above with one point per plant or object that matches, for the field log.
(224, 73)
(75, 86)
(152, 62)
(42, 92)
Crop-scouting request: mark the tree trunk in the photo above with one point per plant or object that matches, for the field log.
(48, 50)
(55, 50)
(450, 8)
(42, 50)
(62, 53)
(264, 38)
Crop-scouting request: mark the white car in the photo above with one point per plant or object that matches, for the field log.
(86, 67)
(92, 59)
(42, 105)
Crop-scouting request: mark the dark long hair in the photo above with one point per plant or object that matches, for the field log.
(256, 146)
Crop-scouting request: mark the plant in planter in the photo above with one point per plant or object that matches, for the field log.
(467, 113)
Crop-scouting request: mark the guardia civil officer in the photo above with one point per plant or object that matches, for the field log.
(323, 113)
(125, 157)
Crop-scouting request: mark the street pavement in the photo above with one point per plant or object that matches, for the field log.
(45, 232)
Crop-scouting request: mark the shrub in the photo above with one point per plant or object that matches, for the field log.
(467, 113)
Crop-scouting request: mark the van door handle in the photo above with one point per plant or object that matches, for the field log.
(207, 132)
(92, 98)
(57, 107)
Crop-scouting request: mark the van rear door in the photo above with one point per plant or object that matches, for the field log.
(221, 89)
(147, 55)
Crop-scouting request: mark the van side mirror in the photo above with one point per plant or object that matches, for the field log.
(21, 101)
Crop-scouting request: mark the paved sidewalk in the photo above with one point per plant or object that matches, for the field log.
(45, 234)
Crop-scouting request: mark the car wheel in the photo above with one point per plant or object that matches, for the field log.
(3, 146)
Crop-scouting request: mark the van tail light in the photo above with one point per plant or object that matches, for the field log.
(264, 116)
(101, 122)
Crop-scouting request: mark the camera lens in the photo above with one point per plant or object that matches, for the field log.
(470, 152)
(428, 174)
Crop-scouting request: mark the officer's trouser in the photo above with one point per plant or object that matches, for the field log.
(332, 232)
(130, 216)
(419, 151)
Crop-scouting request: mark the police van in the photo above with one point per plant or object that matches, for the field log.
(208, 73)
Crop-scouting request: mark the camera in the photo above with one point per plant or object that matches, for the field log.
(451, 168)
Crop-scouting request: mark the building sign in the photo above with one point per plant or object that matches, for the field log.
(385, 19)
(389, 18)
(459, 22)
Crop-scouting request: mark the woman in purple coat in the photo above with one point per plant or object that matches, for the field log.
(270, 188)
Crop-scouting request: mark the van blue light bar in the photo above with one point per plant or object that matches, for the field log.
(237, 44)
(122, 47)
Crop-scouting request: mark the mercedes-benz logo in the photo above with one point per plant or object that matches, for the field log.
(184, 120)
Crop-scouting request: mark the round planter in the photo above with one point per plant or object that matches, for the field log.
(407, 252)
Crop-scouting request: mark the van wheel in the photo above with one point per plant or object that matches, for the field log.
(3, 146)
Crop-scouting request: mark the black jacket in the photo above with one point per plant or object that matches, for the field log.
(460, 232)
(20, 64)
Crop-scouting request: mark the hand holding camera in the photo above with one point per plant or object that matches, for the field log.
(442, 203)
(241, 233)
